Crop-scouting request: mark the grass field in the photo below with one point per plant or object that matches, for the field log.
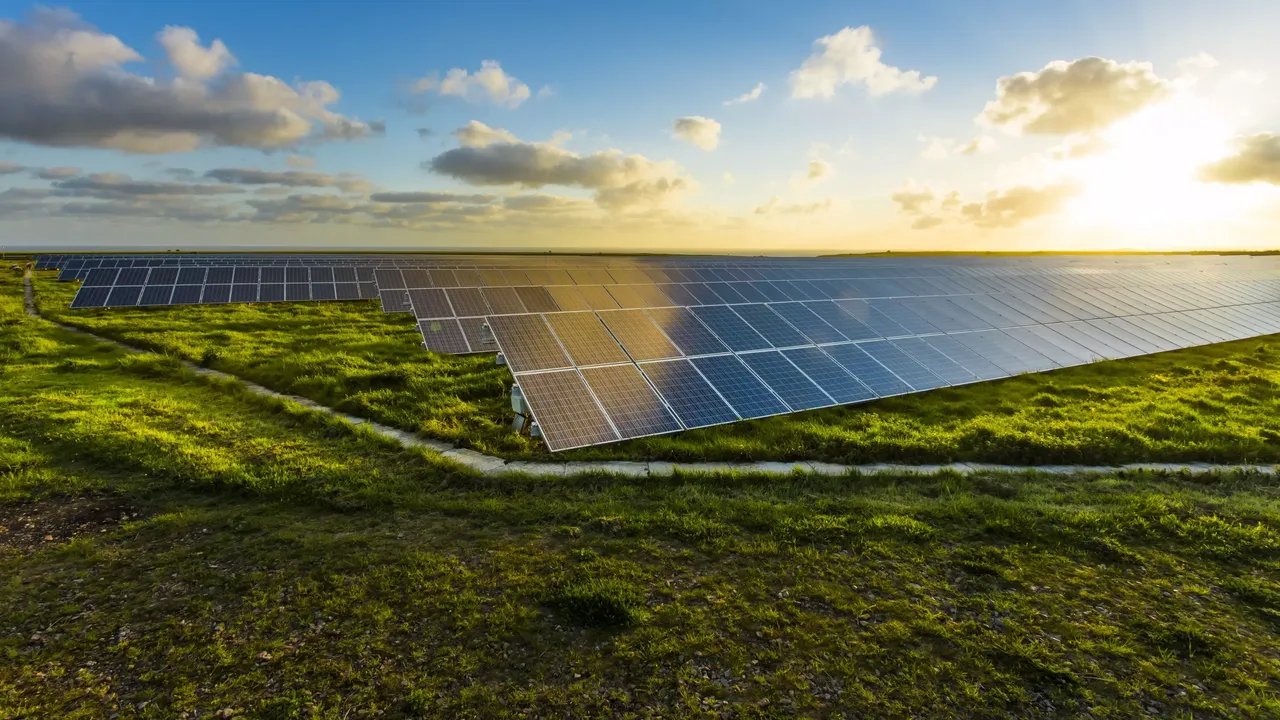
(173, 546)
(1215, 404)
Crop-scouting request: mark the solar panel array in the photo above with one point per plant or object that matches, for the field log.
(606, 348)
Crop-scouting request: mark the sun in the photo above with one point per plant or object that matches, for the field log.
(1145, 178)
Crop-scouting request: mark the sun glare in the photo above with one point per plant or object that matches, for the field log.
(1146, 178)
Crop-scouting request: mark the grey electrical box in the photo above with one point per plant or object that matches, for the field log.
(518, 405)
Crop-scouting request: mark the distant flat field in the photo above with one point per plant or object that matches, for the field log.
(1215, 404)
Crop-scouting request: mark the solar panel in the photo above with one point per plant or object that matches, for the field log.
(867, 370)
(770, 325)
(565, 409)
(690, 396)
(744, 392)
(527, 343)
(586, 339)
(793, 386)
(443, 335)
(686, 331)
(632, 405)
(828, 375)
(915, 322)
(638, 335)
(730, 328)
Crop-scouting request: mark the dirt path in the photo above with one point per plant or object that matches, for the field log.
(490, 465)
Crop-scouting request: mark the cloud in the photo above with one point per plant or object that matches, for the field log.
(424, 133)
(110, 186)
(490, 83)
(65, 85)
(619, 181)
(820, 170)
(1197, 64)
(1257, 160)
(851, 57)
(701, 131)
(477, 134)
(1079, 146)
(941, 148)
(728, 178)
(912, 199)
(774, 207)
(980, 145)
(189, 59)
(544, 203)
(1081, 96)
(9, 168)
(300, 161)
(289, 178)
(1012, 207)
(748, 96)
(431, 197)
(925, 222)
(57, 173)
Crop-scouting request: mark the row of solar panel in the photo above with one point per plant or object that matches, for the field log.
(212, 294)
(788, 324)
(583, 406)
(106, 277)
(559, 340)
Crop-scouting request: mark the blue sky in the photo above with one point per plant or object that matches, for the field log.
(617, 77)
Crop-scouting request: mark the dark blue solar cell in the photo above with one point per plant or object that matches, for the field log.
(911, 372)
(274, 292)
(788, 382)
(727, 293)
(243, 275)
(730, 328)
(156, 295)
(848, 325)
(219, 276)
(744, 391)
(694, 401)
(322, 291)
(770, 291)
(749, 292)
(191, 276)
(294, 292)
(344, 274)
(294, 274)
(214, 294)
(318, 275)
(91, 297)
(124, 296)
(678, 294)
(443, 335)
(937, 363)
(835, 380)
(132, 276)
(273, 275)
(101, 277)
(812, 326)
(703, 294)
(187, 294)
(244, 293)
(347, 290)
(965, 356)
(867, 370)
(686, 331)
(769, 324)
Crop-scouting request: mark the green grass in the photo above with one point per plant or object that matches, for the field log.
(1218, 403)
(173, 545)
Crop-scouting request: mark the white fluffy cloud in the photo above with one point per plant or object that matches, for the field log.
(701, 131)
(1016, 205)
(300, 161)
(913, 199)
(852, 57)
(775, 207)
(189, 58)
(752, 94)
(1081, 96)
(488, 84)
(477, 134)
(619, 181)
(940, 148)
(64, 84)
(1257, 160)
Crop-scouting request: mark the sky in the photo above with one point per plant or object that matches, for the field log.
(717, 126)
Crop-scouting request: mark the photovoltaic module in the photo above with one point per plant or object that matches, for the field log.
(611, 348)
